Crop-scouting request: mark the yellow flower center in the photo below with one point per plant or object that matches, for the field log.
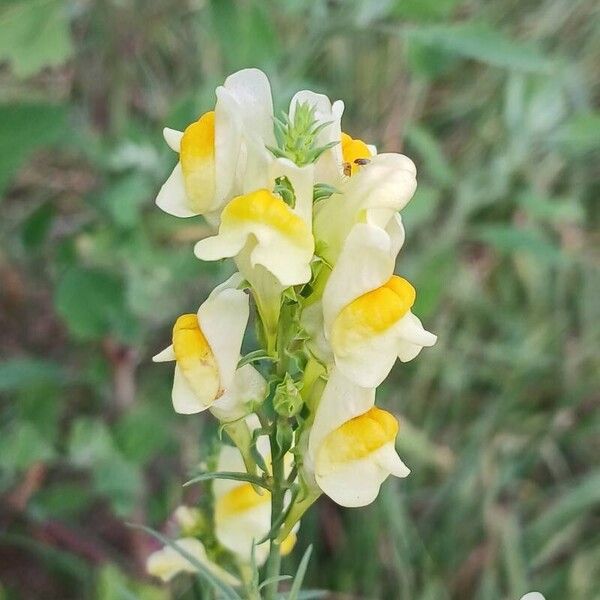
(195, 357)
(372, 313)
(359, 437)
(354, 152)
(197, 157)
(238, 500)
(267, 209)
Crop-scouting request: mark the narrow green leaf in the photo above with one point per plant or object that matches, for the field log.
(308, 595)
(276, 579)
(481, 42)
(295, 590)
(508, 240)
(321, 191)
(228, 475)
(254, 356)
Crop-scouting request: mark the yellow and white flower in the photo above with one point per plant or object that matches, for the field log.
(217, 152)
(373, 194)
(168, 562)
(366, 309)
(351, 447)
(242, 515)
(263, 227)
(247, 388)
(206, 348)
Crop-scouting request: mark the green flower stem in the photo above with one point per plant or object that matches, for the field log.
(250, 584)
(296, 512)
(277, 502)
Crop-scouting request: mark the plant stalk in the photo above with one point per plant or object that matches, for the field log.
(273, 565)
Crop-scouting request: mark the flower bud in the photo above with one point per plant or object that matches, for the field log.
(287, 400)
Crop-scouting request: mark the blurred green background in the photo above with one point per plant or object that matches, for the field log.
(494, 101)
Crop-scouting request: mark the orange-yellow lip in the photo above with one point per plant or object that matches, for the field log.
(373, 312)
(197, 158)
(238, 500)
(354, 153)
(359, 437)
(266, 208)
(195, 358)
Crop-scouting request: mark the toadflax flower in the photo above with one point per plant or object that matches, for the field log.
(217, 153)
(242, 515)
(168, 562)
(310, 217)
(272, 235)
(374, 195)
(366, 309)
(351, 446)
(206, 348)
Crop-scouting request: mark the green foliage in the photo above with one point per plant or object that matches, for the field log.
(494, 101)
(481, 42)
(24, 128)
(92, 303)
(22, 447)
(35, 34)
(92, 446)
(19, 373)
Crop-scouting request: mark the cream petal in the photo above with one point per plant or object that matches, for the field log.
(263, 225)
(223, 318)
(395, 230)
(342, 400)
(166, 355)
(251, 89)
(412, 337)
(389, 181)
(223, 245)
(230, 460)
(255, 174)
(248, 385)
(228, 142)
(388, 459)
(173, 138)
(366, 262)
(172, 197)
(185, 399)
(238, 532)
(168, 562)
(288, 263)
(378, 190)
(340, 484)
(369, 363)
(238, 529)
